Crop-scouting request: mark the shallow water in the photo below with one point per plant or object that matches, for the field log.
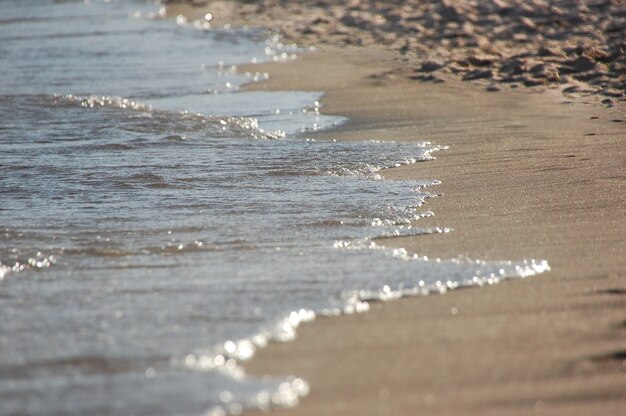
(150, 243)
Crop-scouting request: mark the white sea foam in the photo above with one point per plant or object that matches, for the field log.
(236, 123)
(93, 101)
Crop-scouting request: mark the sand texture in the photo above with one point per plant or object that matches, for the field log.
(579, 44)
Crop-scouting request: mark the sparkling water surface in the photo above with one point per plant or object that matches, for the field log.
(157, 225)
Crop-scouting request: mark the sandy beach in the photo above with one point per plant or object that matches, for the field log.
(577, 44)
(535, 169)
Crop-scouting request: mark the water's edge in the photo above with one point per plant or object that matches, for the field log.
(294, 388)
(418, 275)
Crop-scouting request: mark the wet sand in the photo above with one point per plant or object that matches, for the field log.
(529, 174)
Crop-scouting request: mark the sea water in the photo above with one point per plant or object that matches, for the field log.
(157, 225)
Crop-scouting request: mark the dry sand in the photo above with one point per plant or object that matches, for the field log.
(529, 173)
(578, 43)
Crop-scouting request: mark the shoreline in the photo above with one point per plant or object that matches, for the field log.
(530, 172)
(551, 343)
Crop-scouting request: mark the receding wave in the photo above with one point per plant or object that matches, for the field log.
(100, 101)
(227, 357)
(237, 125)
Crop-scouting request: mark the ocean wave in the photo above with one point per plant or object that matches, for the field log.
(234, 124)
